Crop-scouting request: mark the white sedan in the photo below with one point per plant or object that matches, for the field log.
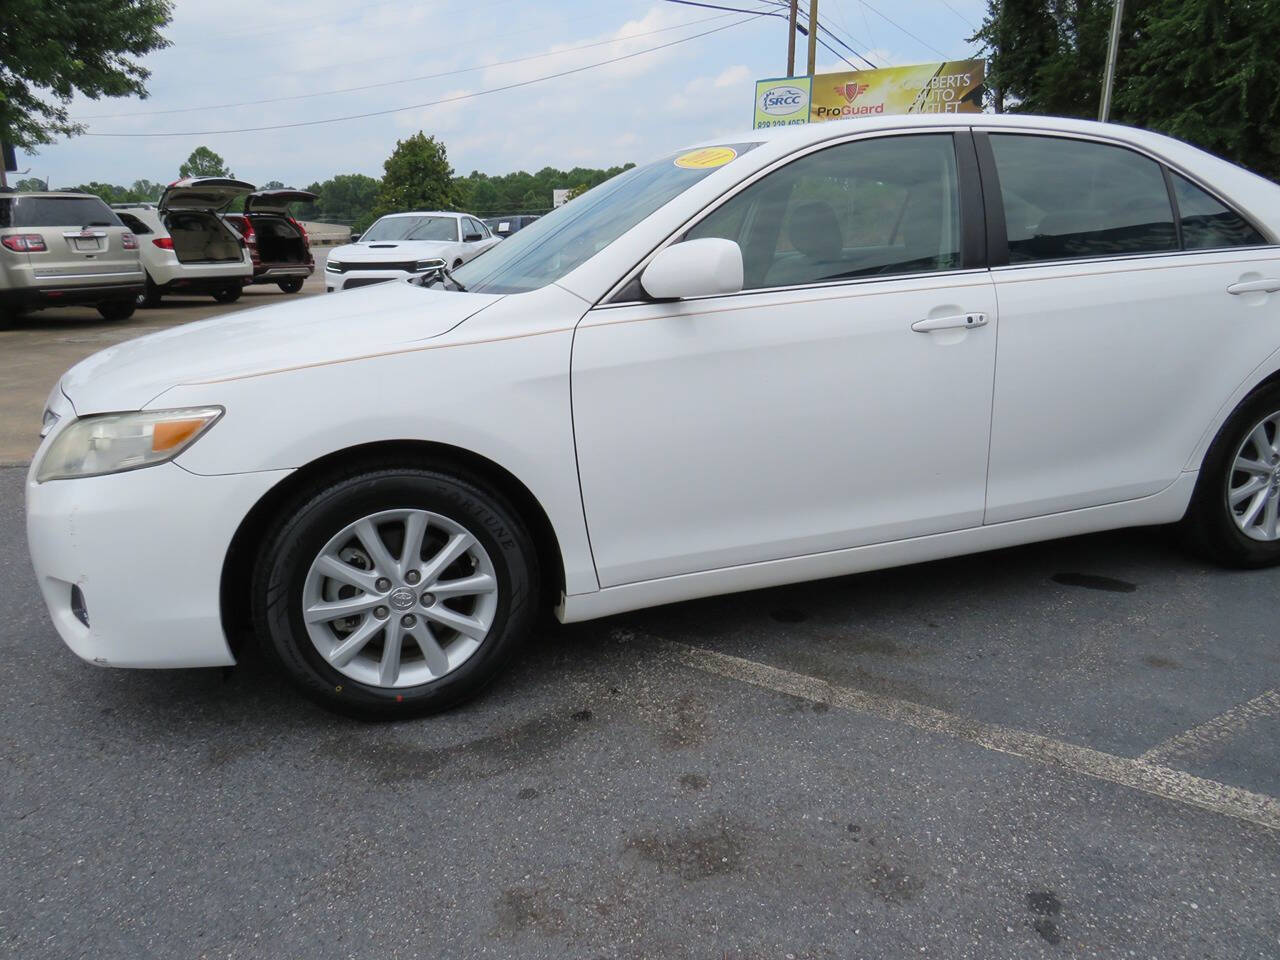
(401, 246)
(787, 355)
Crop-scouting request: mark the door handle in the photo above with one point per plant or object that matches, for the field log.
(949, 323)
(1254, 286)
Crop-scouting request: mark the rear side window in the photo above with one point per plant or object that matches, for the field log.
(1066, 198)
(1207, 224)
(62, 212)
(133, 223)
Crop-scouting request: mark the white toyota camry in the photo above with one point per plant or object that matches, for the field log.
(776, 357)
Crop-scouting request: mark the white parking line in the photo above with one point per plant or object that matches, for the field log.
(1219, 730)
(1138, 774)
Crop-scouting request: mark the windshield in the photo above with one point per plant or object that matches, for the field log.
(61, 212)
(413, 228)
(551, 246)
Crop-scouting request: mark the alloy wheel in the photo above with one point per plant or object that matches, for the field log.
(400, 598)
(1253, 483)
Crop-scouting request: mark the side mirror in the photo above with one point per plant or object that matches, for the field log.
(354, 238)
(472, 237)
(695, 268)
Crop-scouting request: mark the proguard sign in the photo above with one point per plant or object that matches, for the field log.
(952, 86)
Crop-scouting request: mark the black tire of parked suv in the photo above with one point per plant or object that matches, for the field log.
(290, 286)
(117, 309)
(150, 297)
(308, 523)
(7, 317)
(1209, 528)
(228, 295)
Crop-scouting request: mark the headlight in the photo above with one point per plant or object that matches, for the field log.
(114, 442)
(334, 265)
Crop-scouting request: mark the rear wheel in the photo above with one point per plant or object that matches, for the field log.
(290, 286)
(395, 592)
(117, 309)
(1234, 518)
(150, 296)
(228, 295)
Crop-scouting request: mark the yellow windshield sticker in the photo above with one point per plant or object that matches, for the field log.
(706, 157)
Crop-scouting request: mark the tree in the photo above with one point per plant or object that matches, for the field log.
(272, 185)
(1202, 71)
(1047, 56)
(52, 49)
(203, 162)
(146, 191)
(30, 185)
(1208, 73)
(418, 177)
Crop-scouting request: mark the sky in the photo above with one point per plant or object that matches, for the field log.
(227, 52)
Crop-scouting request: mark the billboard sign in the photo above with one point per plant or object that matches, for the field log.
(952, 86)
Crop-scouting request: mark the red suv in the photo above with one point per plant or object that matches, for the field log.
(277, 243)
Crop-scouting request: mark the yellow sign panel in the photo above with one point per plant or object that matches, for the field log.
(706, 157)
(953, 86)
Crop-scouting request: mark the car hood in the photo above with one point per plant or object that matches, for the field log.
(318, 329)
(380, 251)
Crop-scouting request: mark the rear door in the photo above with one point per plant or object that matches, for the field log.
(1121, 327)
(276, 201)
(83, 238)
(203, 193)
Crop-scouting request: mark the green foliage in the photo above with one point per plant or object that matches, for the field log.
(1203, 71)
(272, 185)
(145, 191)
(417, 177)
(203, 162)
(52, 49)
(1208, 73)
(347, 198)
(522, 192)
(29, 185)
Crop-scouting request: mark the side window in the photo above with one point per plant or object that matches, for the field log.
(1067, 198)
(868, 208)
(1207, 224)
(475, 226)
(133, 223)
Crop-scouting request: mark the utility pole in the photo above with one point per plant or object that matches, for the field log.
(791, 39)
(813, 36)
(1109, 78)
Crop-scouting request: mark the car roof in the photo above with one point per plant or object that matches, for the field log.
(425, 213)
(51, 193)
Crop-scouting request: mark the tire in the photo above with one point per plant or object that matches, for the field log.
(117, 309)
(229, 295)
(289, 574)
(290, 286)
(1211, 527)
(150, 297)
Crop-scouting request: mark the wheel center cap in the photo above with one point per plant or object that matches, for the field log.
(401, 598)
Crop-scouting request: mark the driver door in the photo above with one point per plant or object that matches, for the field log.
(813, 411)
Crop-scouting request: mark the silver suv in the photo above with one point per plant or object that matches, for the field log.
(60, 249)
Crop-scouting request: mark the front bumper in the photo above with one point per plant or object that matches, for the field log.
(146, 550)
(352, 278)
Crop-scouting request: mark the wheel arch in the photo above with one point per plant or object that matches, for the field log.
(237, 565)
(1264, 376)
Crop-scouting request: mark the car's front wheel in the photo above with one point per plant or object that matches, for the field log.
(395, 591)
(228, 295)
(1234, 518)
(290, 286)
(117, 309)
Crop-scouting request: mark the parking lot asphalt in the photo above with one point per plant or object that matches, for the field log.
(40, 346)
(1064, 750)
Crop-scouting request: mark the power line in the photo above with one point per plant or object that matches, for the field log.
(392, 83)
(958, 14)
(432, 103)
(823, 28)
(923, 43)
